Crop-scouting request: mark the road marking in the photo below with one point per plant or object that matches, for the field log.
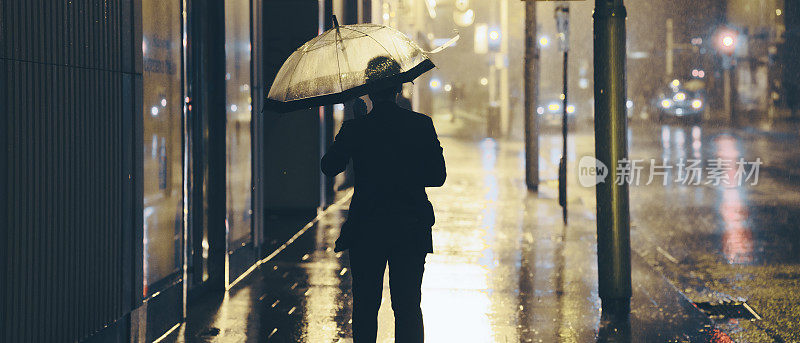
(751, 311)
(667, 255)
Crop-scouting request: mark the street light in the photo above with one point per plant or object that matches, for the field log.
(435, 84)
(562, 24)
(465, 18)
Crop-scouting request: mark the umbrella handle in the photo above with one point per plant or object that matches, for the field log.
(336, 26)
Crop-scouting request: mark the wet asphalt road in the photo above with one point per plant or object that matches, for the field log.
(716, 242)
(726, 242)
(506, 270)
(713, 241)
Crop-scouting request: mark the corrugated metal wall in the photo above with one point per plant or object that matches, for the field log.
(69, 78)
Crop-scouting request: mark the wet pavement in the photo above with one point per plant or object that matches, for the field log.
(505, 269)
(726, 242)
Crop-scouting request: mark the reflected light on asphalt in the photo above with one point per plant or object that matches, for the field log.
(737, 238)
(665, 137)
(697, 143)
(680, 143)
(322, 297)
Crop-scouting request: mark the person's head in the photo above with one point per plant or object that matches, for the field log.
(382, 67)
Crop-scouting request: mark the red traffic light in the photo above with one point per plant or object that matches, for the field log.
(726, 39)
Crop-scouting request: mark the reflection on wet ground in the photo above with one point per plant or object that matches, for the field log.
(726, 241)
(505, 270)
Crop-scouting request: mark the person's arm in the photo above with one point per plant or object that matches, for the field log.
(434, 172)
(338, 155)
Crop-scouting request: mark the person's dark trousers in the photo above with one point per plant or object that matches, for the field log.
(367, 265)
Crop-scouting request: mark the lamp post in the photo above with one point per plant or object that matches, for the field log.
(531, 90)
(611, 146)
(562, 23)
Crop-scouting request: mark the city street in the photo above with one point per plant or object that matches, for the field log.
(715, 243)
(726, 243)
(506, 269)
(183, 171)
(723, 242)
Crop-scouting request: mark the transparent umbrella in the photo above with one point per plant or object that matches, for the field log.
(330, 68)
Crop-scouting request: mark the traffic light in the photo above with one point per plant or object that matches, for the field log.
(726, 40)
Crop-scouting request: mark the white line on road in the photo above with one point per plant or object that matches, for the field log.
(667, 255)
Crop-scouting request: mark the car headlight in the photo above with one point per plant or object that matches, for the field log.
(680, 96)
(554, 107)
(571, 109)
(666, 103)
(697, 104)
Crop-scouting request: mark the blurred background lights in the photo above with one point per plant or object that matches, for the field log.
(154, 110)
(465, 18)
(494, 35)
(431, 5)
(543, 41)
(484, 81)
(448, 87)
(435, 84)
(727, 41)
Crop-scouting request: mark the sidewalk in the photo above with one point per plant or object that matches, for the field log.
(505, 269)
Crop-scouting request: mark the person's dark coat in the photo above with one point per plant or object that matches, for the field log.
(395, 154)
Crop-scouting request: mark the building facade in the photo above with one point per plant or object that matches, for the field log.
(141, 172)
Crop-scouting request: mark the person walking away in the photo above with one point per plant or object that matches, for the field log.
(396, 154)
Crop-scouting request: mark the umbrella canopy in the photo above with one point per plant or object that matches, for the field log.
(330, 68)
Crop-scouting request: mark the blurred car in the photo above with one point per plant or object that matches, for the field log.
(550, 114)
(680, 103)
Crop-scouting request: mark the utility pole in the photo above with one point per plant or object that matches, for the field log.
(562, 21)
(531, 93)
(670, 50)
(611, 146)
(505, 111)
